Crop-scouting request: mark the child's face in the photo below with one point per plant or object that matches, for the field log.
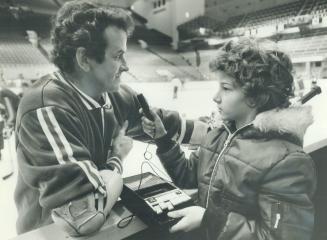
(230, 99)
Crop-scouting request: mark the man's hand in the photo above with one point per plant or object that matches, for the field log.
(155, 129)
(191, 218)
(114, 186)
(122, 144)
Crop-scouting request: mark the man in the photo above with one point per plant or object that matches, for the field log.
(8, 110)
(10, 101)
(2, 79)
(70, 139)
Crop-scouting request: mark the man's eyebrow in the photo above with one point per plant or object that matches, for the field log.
(121, 51)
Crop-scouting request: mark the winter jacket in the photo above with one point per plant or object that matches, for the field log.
(254, 182)
(63, 139)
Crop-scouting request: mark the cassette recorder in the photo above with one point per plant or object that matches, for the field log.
(150, 198)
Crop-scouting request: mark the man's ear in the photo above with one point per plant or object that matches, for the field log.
(82, 60)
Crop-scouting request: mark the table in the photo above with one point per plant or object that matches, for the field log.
(110, 230)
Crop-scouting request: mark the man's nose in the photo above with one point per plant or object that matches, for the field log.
(124, 67)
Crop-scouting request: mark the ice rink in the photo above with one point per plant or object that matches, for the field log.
(194, 100)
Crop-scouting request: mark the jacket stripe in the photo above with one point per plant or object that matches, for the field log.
(89, 169)
(68, 148)
(198, 133)
(183, 130)
(62, 148)
(49, 136)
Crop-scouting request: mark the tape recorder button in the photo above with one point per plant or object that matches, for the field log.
(170, 206)
(151, 199)
(157, 209)
(163, 205)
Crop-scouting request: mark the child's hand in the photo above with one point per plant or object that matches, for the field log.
(191, 218)
(155, 129)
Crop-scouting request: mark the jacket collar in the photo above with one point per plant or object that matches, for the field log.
(288, 123)
(89, 102)
(293, 121)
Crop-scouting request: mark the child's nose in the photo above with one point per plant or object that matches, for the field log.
(217, 98)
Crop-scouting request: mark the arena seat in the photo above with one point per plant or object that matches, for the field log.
(272, 14)
(19, 56)
(147, 69)
(190, 29)
(307, 46)
(256, 18)
(15, 49)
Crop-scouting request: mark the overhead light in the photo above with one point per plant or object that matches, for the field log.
(202, 30)
(212, 41)
(187, 14)
(143, 44)
(33, 38)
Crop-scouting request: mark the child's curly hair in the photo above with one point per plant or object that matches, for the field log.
(264, 75)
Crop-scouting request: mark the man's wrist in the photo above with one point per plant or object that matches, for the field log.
(115, 164)
(114, 154)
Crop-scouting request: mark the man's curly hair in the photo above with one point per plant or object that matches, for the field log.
(82, 24)
(263, 74)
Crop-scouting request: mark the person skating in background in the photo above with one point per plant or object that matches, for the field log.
(177, 85)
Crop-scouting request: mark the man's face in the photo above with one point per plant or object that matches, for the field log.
(107, 74)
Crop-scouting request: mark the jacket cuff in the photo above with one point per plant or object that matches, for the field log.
(214, 221)
(115, 164)
(170, 155)
(164, 144)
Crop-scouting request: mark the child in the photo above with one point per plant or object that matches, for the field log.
(254, 180)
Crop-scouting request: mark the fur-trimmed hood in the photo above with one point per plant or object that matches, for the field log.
(287, 123)
(293, 120)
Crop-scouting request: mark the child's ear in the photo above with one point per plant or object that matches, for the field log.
(251, 102)
(258, 101)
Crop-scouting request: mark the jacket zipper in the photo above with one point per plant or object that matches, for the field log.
(277, 220)
(226, 144)
(278, 216)
(102, 117)
(103, 138)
